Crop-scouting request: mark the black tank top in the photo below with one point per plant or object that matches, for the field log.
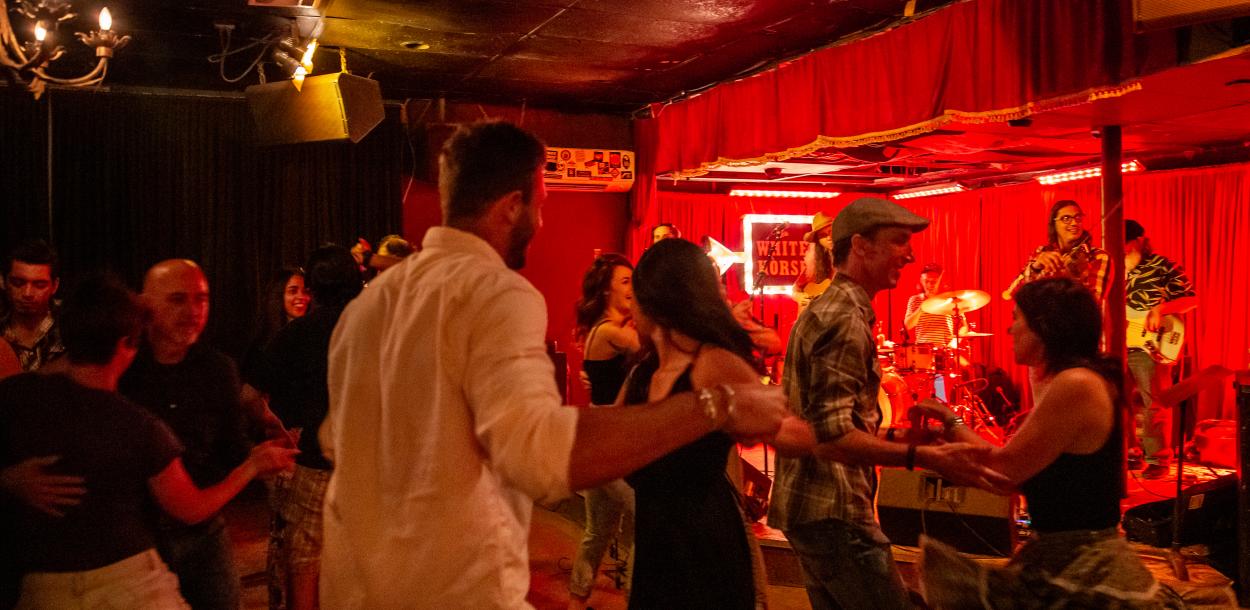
(606, 376)
(1079, 492)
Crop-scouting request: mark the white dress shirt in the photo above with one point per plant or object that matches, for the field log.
(445, 425)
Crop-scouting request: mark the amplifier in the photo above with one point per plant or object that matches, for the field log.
(910, 503)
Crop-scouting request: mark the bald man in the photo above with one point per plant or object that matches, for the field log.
(195, 390)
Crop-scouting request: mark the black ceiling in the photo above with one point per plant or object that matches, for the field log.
(605, 55)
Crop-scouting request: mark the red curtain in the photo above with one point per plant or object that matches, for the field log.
(1197, 218)
(975, 61)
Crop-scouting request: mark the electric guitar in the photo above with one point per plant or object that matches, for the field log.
(1164, 345)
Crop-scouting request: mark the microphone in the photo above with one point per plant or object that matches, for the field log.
(1006, 401)
(779, 228)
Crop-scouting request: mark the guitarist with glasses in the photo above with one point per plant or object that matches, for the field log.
(1157, 292)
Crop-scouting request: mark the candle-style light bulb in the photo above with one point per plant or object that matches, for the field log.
(106, 20)
(40, 32)
(307, 60)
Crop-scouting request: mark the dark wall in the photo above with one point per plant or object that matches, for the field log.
(574, 224)
(137, 178)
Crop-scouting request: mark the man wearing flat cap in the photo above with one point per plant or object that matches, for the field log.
(826, 480)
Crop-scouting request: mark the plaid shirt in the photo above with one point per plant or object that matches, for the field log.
(1093, 271)
(831, 378)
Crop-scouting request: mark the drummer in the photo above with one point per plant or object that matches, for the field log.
(925, 327)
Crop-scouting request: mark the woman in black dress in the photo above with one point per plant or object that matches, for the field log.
(690, 537)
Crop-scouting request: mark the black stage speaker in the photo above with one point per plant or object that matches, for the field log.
(969, 519)
(328, 107)
(1210, 518)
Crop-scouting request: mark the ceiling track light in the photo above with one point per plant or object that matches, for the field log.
(783, 194)
(929, 191)
(1088, 172)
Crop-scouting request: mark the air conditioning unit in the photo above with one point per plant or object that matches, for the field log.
(597, 170)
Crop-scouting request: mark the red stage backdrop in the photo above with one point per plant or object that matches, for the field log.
(989, 60)
(1197, 217)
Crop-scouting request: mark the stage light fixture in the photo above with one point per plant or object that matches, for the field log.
(784, 194)
(1088, 172)
(929, 191)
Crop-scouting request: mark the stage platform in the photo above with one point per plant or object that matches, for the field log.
(1206, 587)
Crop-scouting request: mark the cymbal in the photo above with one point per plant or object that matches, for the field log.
(944, 304)
(976, 334)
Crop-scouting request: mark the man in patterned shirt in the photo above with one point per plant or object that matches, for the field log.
(1158, 287)
(826, 477)
(30, 281)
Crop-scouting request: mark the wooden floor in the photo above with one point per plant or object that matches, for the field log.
(555, 533)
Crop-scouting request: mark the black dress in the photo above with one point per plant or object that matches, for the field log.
(690, 538)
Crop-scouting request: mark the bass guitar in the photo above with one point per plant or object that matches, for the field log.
(1164, 344)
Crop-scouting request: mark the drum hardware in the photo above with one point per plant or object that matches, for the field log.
(955, 302)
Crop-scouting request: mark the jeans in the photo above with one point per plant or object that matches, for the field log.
(1153, 419)
(605, 506)
(845, 568)
(200, 556)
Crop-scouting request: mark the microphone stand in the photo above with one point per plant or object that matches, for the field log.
(774, 239)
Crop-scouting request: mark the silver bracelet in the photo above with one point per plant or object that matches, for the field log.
(731, 402)
(707, 401)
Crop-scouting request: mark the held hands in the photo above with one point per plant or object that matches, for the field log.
(51, 494)
(962, 464)
(756, 413)
(271, 457)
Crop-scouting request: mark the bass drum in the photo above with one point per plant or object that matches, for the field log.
(894, 397)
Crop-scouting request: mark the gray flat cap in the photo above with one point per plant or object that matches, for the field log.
(868, 212)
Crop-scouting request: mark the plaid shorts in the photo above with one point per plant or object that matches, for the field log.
(301, 514)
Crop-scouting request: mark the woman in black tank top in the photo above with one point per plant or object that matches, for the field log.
(608, 340)
(691, 543)
(1067, 459)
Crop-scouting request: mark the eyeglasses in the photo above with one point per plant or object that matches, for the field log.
(1068, 219)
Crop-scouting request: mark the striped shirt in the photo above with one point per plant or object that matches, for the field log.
(1154, 280)
(930, 328)
(831, 378)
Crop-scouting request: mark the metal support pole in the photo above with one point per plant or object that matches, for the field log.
(1242, 387)
(1113, 238)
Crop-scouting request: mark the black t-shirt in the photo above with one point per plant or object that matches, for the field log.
(298, 362)
(199, 399)
(114, 444)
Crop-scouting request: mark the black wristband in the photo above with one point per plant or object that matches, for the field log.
(911, 457)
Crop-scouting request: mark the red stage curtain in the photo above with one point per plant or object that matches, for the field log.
(982, 60)
(1196, 217)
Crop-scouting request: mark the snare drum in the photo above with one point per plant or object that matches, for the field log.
(915, 357)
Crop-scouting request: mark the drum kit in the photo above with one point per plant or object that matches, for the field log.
(910, 373)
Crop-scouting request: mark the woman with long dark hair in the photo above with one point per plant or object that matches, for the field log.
(605, 330)
(691, 547)
(1067, 459)
(608, 340)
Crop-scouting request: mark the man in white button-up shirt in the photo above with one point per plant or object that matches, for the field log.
(445, 422)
